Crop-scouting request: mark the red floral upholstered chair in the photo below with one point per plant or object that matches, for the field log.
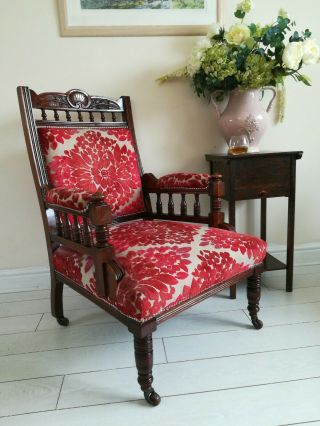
(106, 242)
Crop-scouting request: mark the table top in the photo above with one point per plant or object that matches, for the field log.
(296, 154)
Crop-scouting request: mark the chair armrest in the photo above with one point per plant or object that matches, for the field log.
(82, 220)
(75, 199)
(177, 182)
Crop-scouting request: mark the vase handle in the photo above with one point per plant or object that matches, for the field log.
(214, 103)
(273, 90)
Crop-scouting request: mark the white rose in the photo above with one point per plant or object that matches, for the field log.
(292, 55)
(237, 34)
(214, 29)
(311, 52)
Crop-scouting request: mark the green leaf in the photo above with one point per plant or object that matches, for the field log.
(304, 79)
(252, 28)
(295, 37)
(239, 14)
(307, 33)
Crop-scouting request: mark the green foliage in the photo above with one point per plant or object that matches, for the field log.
(248, 56)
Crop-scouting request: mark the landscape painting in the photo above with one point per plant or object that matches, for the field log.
(142, 4)
(137, 17)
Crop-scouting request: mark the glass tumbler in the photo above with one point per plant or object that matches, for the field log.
(238, 145)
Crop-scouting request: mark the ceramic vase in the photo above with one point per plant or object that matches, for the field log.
(245, 114)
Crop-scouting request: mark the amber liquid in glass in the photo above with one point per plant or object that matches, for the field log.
(237, 150)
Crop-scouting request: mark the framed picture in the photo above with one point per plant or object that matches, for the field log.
(136, 17)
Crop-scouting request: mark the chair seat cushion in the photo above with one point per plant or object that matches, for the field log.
(165, 263)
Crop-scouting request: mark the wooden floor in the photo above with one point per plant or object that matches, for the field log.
(211, 367)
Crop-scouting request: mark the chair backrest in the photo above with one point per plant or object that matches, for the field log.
(86, 142)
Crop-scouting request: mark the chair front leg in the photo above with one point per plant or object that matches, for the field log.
(144, 361)
(253, 293)
(57, 301)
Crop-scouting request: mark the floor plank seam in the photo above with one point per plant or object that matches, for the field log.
(39, 322)
(166, 397)
(164, 348)
(62, 381)
(166, 363)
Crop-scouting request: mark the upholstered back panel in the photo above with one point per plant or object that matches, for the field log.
(95, 159)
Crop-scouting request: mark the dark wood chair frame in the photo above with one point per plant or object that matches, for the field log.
(80, 109)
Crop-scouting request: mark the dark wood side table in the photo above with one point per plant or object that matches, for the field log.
(261, 175)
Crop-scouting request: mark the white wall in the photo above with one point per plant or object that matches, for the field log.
(174, 128)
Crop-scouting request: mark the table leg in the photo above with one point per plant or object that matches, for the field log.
(232, 221)
(290, 244)
(263, 219)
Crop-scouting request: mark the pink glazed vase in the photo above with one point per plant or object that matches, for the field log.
(244, 114)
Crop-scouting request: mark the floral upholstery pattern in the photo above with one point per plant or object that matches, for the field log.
(165, 263)
(95, 160)
(72, 198)
(184, 180)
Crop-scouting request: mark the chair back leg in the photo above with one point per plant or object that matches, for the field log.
(254, 293)
(57, 301)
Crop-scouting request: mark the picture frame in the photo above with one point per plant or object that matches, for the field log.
(75, 21)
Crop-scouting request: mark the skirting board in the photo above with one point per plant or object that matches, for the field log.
(307, 262)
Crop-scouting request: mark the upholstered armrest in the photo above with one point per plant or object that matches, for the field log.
(82, 220)
(184, 180)
(177, 182)
(76, 199)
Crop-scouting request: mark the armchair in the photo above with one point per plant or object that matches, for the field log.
(106, 242)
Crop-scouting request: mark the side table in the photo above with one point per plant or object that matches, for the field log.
(261, 175)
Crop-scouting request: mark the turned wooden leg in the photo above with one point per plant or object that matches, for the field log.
(57, 302)
(253, 293)
(144, 360)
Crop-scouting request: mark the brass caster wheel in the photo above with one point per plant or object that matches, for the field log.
(258, 324)
(63, 321)
(152, 397)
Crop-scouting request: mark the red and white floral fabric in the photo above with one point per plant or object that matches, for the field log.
(72, 198)
(95, 160)
(165, 263)
(184, 180)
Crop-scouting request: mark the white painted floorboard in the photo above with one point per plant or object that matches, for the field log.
(211, 366)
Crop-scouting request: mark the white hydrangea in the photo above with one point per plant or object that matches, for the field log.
(195, 58)
(214, 29)
(245, 6)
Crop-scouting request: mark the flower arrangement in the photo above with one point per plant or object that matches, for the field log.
(249, 56)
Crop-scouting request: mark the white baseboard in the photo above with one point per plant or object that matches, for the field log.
(304, 254)
(306, 261)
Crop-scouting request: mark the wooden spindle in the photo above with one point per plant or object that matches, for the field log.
(196, 205)
(66, 226)
(85, 234)
(75, 229)
(68, 115)
(56, 115)
(103, 117)
(170, 205)
(183, 205)
(91, 116)
(159, 204)
(58, 223)
(44, 114)
(114, 117)
(102, 234)
(80, 118)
